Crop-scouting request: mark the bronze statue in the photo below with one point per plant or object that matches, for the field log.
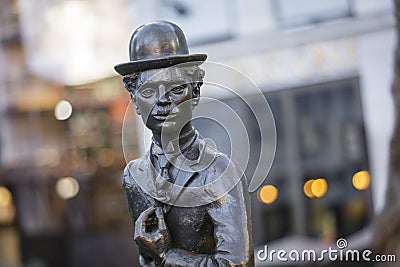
(179, 218)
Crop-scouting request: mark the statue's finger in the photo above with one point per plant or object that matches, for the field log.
(156, 236)
(161, 220)
(140, 224)
(159, 213)
(145, 215)
(143, 236)
(138, 230)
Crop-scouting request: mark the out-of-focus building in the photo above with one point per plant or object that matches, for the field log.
(325, 68)
(61, 157)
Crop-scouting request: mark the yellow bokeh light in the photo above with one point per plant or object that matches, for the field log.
(268, 194)
(361, 180)
(67, 187)
(63, 110)
(106, 157)
(5, 197)
(7, 214)
(307, 188)
(319, 187)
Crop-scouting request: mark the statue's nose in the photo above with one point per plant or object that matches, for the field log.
(163, 98)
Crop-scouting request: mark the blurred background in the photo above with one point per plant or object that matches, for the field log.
(325, 67)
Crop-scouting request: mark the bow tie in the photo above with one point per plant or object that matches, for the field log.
(172, 148)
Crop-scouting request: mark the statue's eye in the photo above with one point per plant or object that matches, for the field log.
(178, 89)
(147, 92)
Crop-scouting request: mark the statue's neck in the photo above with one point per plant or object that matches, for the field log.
(185, 136)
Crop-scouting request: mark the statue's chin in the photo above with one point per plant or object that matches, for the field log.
(166, 127)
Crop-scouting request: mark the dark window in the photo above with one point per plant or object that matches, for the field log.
(291, 13)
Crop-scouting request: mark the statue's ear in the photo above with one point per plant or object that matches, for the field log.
(133, 97)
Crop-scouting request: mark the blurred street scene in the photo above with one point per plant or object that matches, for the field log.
(325, 67)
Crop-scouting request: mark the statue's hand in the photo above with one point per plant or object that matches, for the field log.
(155, 240)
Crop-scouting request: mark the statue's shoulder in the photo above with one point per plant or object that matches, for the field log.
(136, 163)
(223, 176)
(211, 155)
(132, 168)
(219, 164)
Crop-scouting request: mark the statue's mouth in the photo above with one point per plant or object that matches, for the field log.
(164, 116)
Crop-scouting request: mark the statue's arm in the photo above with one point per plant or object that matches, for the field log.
(129, 190)
(127, 187)
(232, 230)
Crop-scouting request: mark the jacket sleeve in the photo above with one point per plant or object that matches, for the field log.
(127, 187)
(130, 190)
(232, 230)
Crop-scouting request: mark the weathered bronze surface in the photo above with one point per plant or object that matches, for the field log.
(213, 234)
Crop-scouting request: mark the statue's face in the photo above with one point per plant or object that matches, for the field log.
(164, 99)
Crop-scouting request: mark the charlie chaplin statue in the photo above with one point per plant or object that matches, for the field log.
(189, 202)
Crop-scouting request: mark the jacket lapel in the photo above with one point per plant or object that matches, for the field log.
(182, 179)
(144, 175)
(185, 174)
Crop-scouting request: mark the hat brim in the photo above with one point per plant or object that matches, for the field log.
(158, 63)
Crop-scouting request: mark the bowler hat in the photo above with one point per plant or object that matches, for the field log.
(156, 45)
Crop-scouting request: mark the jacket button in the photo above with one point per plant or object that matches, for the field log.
(162, 195)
